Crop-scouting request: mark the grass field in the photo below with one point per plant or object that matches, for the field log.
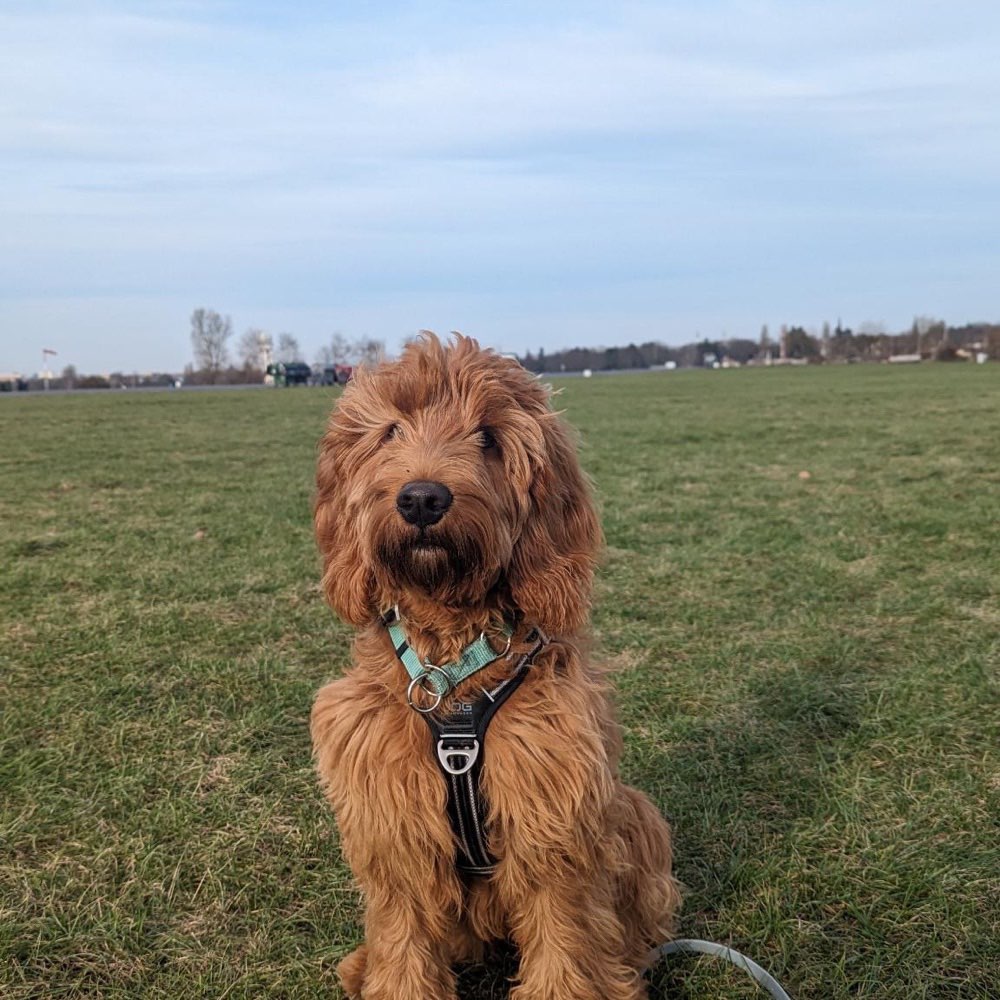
(807, 668)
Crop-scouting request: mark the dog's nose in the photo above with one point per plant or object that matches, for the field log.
(423, 503)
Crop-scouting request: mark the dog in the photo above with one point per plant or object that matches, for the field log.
(451, 504)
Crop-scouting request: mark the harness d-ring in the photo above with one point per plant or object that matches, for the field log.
(506, 649)
(419, 682)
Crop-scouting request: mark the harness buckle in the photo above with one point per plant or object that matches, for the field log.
(464, 750)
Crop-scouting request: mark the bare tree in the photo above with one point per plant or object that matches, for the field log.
(931, 333)
(340, 349)
(209, 333)
(337, 352)
(255, 349)
(369, 352)
(288, 348)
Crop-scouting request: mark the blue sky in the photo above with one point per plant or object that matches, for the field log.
(540, 174)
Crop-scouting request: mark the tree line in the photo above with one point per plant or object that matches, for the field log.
(927, 338)
(215, 361)
(219, 360)
(256, 349)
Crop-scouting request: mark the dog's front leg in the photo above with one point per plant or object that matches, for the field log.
(390, 804)
(570, 940)
(557, 881)
(552, 788)
(406, 951)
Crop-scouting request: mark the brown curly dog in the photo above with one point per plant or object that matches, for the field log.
(450, 491)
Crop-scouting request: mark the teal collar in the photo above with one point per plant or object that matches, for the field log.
(441, 678)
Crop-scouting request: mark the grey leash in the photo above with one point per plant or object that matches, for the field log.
(748, 965)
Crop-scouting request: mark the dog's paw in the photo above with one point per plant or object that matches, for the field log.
(352, 972)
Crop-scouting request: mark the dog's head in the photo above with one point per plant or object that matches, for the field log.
(446, 473)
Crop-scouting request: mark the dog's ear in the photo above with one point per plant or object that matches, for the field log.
(347, 580)
(552, 570)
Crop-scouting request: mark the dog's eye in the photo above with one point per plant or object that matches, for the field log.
(391, 431)
(486, 439)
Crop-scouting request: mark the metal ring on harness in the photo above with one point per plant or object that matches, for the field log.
(506, 649)
(418, 682)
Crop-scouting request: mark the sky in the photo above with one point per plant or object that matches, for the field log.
(534, 174)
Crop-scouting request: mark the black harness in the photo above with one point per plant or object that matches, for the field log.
(458, 733)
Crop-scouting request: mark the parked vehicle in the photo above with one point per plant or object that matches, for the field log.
(336, 374)
(289, 372)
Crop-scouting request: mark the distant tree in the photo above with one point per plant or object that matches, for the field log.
(764, 344)
(932, 333)
(740, 349)
(708, 352)
(924, 323)
(255, 349)
(69, 377)
(799, 344)
(576, 359)
(288, 348)
(689, 355)
(824, 344)
(842, 344)
(632, 358)
(369, 351)
(340, 349)
(209, 333)
(991, 342)
(654, 353)
(337, 351)
(976, 337)
(867, 346)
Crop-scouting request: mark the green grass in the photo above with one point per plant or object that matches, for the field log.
(807, 668)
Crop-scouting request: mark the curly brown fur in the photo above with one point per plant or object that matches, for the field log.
(583, 885)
